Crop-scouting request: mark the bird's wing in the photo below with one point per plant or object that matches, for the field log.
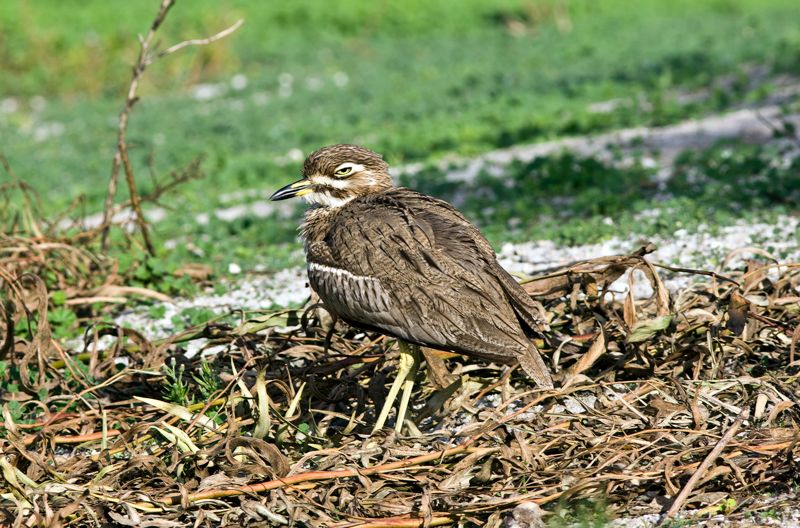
(413, 267)
(448, 223)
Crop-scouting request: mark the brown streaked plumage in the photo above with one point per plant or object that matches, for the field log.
(408, 265)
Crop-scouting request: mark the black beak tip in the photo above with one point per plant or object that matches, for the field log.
(284, 193)
(290, 191)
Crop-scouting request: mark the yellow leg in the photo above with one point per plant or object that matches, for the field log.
(412, 355)
(408, 363)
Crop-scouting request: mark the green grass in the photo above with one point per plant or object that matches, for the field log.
(414, 80)
(423, 79)
(71, 48)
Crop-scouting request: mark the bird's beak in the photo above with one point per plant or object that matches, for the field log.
(298, 188)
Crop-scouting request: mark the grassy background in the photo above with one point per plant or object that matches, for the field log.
(415, 80)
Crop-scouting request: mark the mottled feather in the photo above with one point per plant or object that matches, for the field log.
(413, 267)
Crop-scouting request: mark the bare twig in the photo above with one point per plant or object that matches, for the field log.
(177, 178)
(401, 521)
(108, 206)
(121, 156)
(697, 272)
(202, 41)
(793, 344)
(146, 57)
(704, 465)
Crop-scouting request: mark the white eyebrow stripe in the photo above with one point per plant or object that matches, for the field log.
(357, 167)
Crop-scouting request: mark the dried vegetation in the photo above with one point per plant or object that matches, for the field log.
(694, 391)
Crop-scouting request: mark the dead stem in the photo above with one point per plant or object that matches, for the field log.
(146, 57)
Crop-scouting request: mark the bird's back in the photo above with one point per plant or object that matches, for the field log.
(413, 267)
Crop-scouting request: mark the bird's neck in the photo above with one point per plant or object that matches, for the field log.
(316, 223)
(320, 217)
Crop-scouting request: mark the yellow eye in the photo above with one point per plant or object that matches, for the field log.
(344, 171)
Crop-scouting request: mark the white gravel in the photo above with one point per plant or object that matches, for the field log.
(748, 124)
(687, 249)
(285, 288)
(720, 251)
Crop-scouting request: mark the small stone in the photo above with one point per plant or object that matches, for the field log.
(525, 515)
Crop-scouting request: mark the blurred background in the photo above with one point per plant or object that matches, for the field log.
(433, 85)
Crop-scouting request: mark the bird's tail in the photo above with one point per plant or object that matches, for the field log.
(534, 366)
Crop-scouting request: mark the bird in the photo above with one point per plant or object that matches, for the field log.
(390, 259)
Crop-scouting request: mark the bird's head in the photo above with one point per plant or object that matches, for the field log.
(334, 175)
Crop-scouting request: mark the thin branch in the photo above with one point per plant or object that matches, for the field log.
(108, 206)
(177, 177)
(203, 41)
(697, 272)
(400, 521)
(121, 158)
(704, 465)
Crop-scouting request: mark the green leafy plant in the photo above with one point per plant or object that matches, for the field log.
(175, 388)
(63, 322)
(207, 381)
(157, 311)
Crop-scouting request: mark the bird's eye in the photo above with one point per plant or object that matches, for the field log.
(344, 171)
